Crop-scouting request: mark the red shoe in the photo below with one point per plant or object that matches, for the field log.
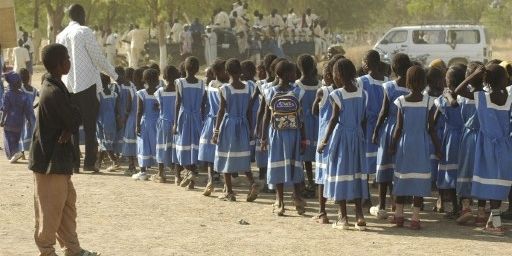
(415, 225)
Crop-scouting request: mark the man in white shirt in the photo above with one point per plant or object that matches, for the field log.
(83, 79)
(137, 38)
(176, 30)
(20, 56)
(210, 46)
(111, 47)
(221, 20)
(310, 17)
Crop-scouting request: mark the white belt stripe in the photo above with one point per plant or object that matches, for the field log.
(234, 154)
(414, 175)
(464, 180)
(448, 167)
(342, 178)
(182, 148)
(284, 163)
(165, 146)
(129, 141)
(496, 182)
(385, 167)
(371, 154)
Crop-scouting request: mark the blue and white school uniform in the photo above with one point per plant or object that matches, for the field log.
(284, 159)
(28, 128)
(146, 142)
(261, 156)
(467, 147)
(254, 117)
(386, 161)
(165, 149)
(233, 152)
(130, 136)
(124, 93)
(492, 177)
(375, 94)
(189, 121)
(324, 116)
(434, 160)
(310, 120)
(450, 143)
(206, 147)
(346, 177)
(106, 123)
(412, 165)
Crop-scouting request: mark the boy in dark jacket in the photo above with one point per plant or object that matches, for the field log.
(52, 157)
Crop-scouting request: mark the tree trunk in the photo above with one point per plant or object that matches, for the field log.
(162, 45)
(54, 18)
(36, 13)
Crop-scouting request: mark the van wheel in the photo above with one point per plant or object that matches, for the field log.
(457, 61)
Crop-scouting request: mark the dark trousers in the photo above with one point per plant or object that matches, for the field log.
(88, 104)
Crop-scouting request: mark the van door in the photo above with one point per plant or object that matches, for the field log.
(428, 44)
(395, 41)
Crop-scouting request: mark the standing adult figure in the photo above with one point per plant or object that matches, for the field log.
(83, 79)
(36, 41)
(137, 38)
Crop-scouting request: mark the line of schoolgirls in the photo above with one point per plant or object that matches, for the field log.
(444, 126)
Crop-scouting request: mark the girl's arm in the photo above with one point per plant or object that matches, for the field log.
(330, 128)
(450, 97)
(316, 103)
(118, 111)
(140, 110)
(384, 111)
(264, 125)
(463, 89)
(177, 107)
(432, 131)
(220, 118)
(397, 133)
(260, 118)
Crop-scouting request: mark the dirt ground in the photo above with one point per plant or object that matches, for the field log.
(120, 216)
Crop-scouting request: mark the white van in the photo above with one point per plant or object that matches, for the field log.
(451, 43)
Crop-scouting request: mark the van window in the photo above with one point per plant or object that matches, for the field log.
(428, 36)
(464, 36)
(396, 37)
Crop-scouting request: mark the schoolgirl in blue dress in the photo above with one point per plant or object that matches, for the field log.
(248, 74)
(28, 128)
(323, 109)
(261, 156)
(384, 131)
(492, 177)
(188, 124)
(124, 99)
(346, 178)
(165, 149)
(206, 152)
(232, 132)
(435, 86)
(415, 121)
(107, 123)
(130, 137)
(468, 144)
(16, 110)
(450, 109)
(310, 84)
(147, 118)
(372, 85)
(285, 135)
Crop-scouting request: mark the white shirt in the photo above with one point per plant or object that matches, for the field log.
(310, 19)
(111, 42)
(137, 38)
(176, 30)
(222, 20)
(21, 57)
(30, 45)
(86, 56)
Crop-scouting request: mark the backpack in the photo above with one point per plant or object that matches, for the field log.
(285, 111)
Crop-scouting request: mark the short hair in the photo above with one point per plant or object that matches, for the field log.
(171, 73)
(191, 64)
(416, 78)
(248, 68)
(76, 12)
(120, 71)
(306, 64)
(372, 58)
(455, 75)
(401, 63)
(219, 65)
(53, 55)
(267, 62)
(105, 80)
(155, 66)
(150, 76)
(496, 76)
(284, 67)
(24, 74)
(344, 70)
(233, 67)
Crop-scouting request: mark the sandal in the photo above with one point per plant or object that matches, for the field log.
(480, 221)
(360, 225)
(188, 178)
(341, 223)
(208, 190)
(253, 194)
(158, 179)
(321, 218)
(497, 231)
(398, 221)
(415, 225)
(300, 205)
(278, 210)
(228, 197)
(88, 253)
(465, 217)
(191, 185)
